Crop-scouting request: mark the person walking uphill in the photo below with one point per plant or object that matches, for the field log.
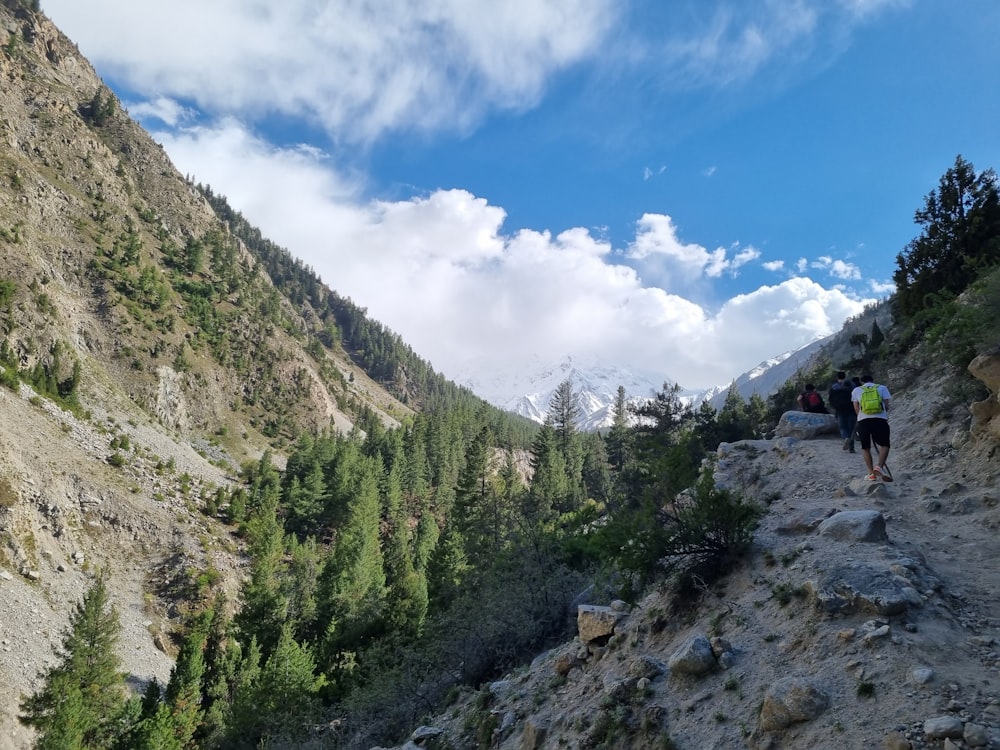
(871, 404)
(810, 400)
(839, 396)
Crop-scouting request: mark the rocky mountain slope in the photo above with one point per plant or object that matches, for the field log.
(866, 615)
(146, 354)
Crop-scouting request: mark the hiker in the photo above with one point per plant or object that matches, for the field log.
(871, 405)
(810, 400)
(839, 396)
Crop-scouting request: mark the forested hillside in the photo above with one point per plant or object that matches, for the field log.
(235, 512)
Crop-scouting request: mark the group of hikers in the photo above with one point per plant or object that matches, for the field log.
(862, 409)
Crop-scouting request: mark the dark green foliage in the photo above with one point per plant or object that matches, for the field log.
(960, 238)
(276, 705)
(970, 326)
(101, 107)
(83, 694)
(7, 290)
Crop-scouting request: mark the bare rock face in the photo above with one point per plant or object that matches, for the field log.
(986, 413)
(595, 623)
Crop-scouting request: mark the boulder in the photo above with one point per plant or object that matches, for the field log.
(594, 622)
(792, 700)
(859, 587)
(694, 657)
(855, 526)
(806, 425)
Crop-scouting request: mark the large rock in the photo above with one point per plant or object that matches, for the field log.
(855, 526)
(695, 657)
(806, 425)
(792, 700)
(986, 413)
(859, 587)
(595, 623)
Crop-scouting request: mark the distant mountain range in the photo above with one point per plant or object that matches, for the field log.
(595, 385)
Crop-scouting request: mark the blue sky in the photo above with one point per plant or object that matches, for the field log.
(679, 188)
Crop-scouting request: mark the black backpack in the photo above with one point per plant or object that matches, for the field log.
(840, 396)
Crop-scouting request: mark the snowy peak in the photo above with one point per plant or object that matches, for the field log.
(595, 388)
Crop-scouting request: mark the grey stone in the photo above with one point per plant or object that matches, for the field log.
(646, 666)
(855, 526)
(976, 735)
(694, 657)
(806, 425)
(922, 675)
(424, 733)
(792, 700)
(943, 726)
(860, 587)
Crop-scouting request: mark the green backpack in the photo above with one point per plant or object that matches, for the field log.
(871, 401)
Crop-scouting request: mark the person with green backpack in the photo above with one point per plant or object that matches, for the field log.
(871, 404)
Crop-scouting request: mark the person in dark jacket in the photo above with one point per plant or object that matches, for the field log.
(839, 397)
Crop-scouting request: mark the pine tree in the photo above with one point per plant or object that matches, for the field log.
(406, 595)
(618, 443)
(83, 695)
(960, 237)
(352, 583)
(183, 694)
(277, 702)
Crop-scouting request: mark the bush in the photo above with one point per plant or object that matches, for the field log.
(711, 528)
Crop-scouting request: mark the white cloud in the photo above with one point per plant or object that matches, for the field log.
(166, 110)
(357, 69)
(837, 268)
(439, 270)
(744, 256)
(773, 265)
(882, 288)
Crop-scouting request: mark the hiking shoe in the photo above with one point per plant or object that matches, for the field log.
(848, 444)
(884, 473)
(872, 477)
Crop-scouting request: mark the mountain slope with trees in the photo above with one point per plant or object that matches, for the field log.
(235, 512)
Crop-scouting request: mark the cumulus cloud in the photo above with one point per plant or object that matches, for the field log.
(882, 288)
(168, 111)
(356, 69)
(439, 270)
(837, 268)
(773, 265)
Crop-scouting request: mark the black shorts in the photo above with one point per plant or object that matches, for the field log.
(873, 428)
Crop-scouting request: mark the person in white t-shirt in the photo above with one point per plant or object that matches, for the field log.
(871, 404)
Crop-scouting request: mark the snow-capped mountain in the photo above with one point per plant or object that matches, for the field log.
(595, 387)
(767, 377)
